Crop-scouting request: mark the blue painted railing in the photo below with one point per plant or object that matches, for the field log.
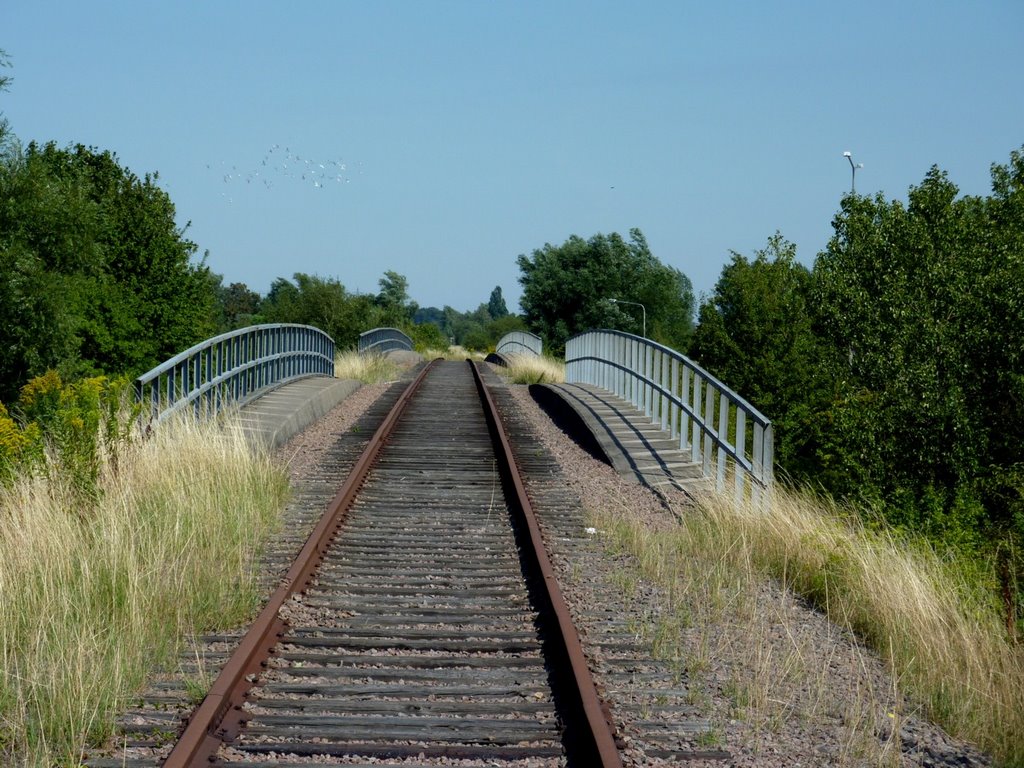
(519, 343)
(709, 419)
(383, 340)
(233, 368)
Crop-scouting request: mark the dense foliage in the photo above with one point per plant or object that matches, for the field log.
(756, 333)
(66, 430)
(894, 368)
(324, 303)
(98, 278)
(568, 289)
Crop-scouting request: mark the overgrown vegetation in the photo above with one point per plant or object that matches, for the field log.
(368, 368)
(942, 637)
(533, 369)
(112, 550)
(97, 276)
(893, 368)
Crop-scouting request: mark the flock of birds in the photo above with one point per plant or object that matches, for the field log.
(280, 164)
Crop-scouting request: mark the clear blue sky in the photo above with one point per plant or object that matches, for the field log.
(472, 132)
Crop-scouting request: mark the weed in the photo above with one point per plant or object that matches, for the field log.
(92, 602)
(533, 369)
(369, 368)
(942, 636)
(709, 739)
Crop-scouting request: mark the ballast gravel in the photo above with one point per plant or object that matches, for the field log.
(844, 670)
(855, 720)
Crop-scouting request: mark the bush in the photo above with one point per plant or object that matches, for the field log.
(77, 425)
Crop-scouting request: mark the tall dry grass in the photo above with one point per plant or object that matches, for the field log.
(370, 368)
(95, 597)
(941, 636)
(533, 369)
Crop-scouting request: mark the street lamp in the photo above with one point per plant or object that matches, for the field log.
(635, 304)
(853, 172)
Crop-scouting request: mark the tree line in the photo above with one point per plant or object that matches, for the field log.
(893, 367)
(96, 278)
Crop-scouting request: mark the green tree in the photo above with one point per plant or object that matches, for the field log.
(908, 301)
(397, 308)
(566, 290)
(321, 302)
(325, 304)
(756, 334)
(429, 315)
(5, 82)
(496, 307)
(99, 277)
(237, 305)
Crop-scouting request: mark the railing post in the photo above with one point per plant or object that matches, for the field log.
(697, 421)
(741, 450)
(723, 437)
(708, 419)
(673, 409)
(758, 464)
(709, 415)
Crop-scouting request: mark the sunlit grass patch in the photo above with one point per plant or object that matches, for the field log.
(369, 368)
(533, 369)
(454, 352)
(95, 596)
(942, 637)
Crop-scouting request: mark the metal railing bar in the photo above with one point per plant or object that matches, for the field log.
(698, 421)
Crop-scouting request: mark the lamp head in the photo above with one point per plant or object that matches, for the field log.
(846, 154)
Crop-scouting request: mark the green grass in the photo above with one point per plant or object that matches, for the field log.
(94, 597)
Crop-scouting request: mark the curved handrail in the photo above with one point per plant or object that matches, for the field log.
(235, 367)
(695, 406)
(520, 342)
(383, 340)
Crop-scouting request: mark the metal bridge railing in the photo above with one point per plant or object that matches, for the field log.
(383, 340)
(233, 368)
(520, 343)
(720, 429)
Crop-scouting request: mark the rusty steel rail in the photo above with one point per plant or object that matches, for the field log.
(594, 730)
(589, 733)
(220, 714)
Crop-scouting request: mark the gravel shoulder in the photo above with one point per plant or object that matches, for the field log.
(782, 685)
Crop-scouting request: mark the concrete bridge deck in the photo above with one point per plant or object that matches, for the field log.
(273, 418)
(623, 435)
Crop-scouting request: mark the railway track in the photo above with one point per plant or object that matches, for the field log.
(425, 625)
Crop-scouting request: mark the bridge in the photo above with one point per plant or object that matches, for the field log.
(646, 409)
(414, 604)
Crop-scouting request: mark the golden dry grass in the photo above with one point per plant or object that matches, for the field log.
(942, 638)
(94, 597)
(533, 369)
(369, 368)
(454, 352)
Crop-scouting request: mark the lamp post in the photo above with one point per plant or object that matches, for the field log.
(853, 172)
(635, 304)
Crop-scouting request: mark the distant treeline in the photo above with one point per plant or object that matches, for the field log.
(97, 278)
